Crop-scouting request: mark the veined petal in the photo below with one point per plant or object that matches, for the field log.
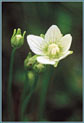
(65, 42)
(35, 43)
(65, 55)
(45, 60)
(53, 34)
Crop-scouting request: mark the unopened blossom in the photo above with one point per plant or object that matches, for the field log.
(51, 48)
(17, 39)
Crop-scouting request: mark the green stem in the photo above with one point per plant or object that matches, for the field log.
(10, 101)
(27, 99)
(43, 93)
(26, 87)
(25, 90)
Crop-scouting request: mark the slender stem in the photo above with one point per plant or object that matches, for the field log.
(25, 90)
(26, 87)
(27, 99)
(43, 93)
(10, 101)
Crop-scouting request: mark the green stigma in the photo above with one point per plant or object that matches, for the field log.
(52, 50)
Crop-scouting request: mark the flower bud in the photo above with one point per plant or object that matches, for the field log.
(17, 39)
(30, 61)
(31, 77)
(39, 67)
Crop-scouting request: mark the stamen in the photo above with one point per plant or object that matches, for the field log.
(53, 49)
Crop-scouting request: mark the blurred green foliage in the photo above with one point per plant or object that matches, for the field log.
(64, 98)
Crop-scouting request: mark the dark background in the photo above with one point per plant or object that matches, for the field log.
(64, 99)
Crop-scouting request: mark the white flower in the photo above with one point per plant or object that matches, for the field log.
(52, 48)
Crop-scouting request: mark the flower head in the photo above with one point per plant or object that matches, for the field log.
(17, 39)
(52, 47)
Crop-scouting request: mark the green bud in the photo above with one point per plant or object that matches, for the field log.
(39, 67)
(31, 77)
(30, 61)
(17, 39)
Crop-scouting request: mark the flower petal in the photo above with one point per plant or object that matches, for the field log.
(35, 43)
(65, 42)
(53, 34)
(65, 55)
(45, 60)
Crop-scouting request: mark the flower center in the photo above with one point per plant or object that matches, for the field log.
(53, 49)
